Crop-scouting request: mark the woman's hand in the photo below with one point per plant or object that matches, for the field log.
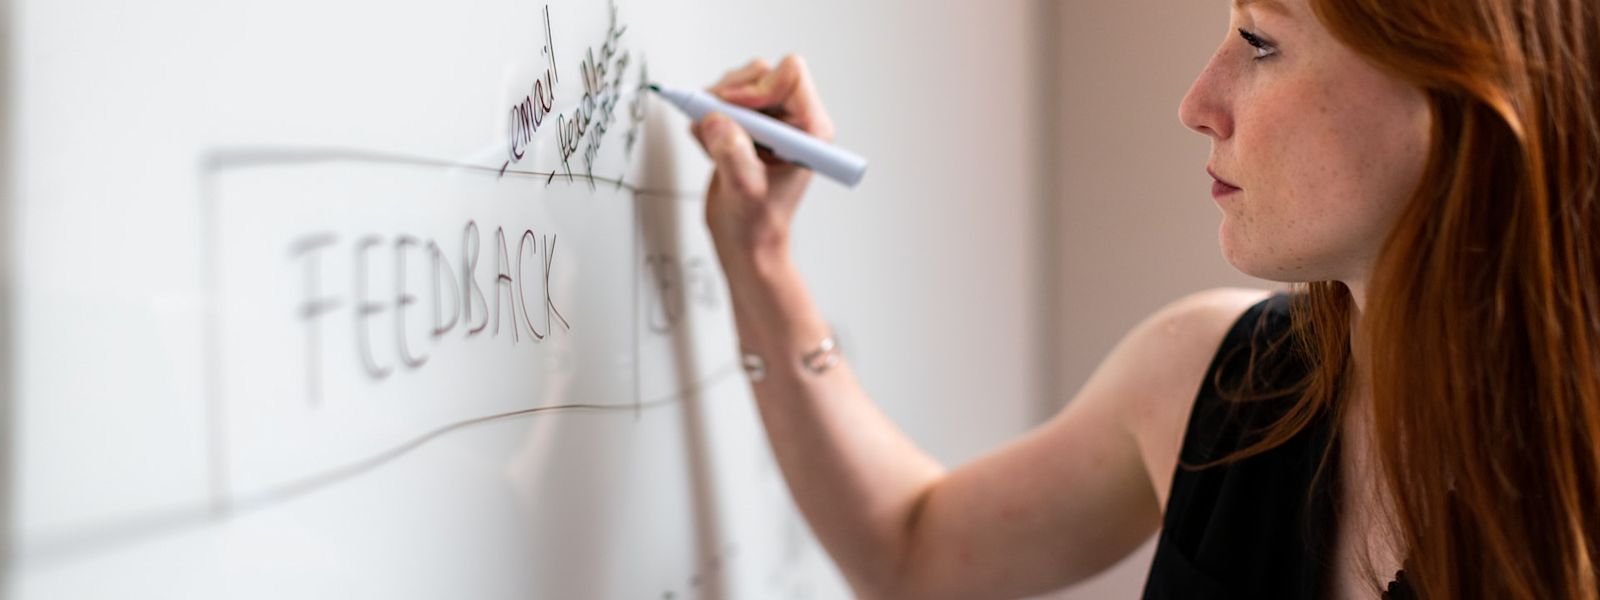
(753, 196)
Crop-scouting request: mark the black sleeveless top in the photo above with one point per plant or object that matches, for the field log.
(1261, 527)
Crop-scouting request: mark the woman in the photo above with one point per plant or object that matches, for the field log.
(1420, 418)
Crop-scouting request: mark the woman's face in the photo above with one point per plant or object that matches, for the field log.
(1315, 150)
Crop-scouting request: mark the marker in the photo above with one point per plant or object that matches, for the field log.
(784, 140)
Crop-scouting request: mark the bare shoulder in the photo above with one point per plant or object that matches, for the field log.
(1159, 366)
(1174, 345)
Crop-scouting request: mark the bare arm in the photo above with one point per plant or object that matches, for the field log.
(855, 477)
(1055, 506)
(1080, 492)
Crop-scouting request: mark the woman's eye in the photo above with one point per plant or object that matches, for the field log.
(1263, 48)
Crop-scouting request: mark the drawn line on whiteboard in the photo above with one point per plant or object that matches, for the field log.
(266, 156)
(61, 547)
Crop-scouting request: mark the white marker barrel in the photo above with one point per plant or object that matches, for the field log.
(784, 140)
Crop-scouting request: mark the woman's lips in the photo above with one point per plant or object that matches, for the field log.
(1220, 187)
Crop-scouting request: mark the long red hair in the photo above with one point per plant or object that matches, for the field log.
(1483, 312)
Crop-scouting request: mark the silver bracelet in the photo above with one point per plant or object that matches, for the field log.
(753, 366)
(818, 361)
(823, 358)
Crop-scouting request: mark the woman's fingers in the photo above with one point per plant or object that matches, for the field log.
(753, 195)
(751, 71)
(787, 91)
(730, 148)
(773, 86)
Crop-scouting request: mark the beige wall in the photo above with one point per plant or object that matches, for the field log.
(1137, 227)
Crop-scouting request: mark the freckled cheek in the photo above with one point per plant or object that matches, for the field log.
(1356, 182)
(1261, 152)
(1273, 220)
(1260, 170)
(1301, 167)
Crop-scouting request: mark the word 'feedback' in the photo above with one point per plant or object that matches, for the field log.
(468, 305)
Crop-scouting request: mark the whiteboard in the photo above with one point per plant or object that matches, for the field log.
(359, 299)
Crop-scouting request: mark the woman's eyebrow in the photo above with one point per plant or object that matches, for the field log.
(1273, 6)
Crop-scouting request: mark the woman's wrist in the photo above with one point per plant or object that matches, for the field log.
(773, 311)
(754, 261)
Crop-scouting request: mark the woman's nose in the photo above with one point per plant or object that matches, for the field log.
(1205, 109)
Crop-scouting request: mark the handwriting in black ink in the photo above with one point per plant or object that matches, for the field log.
(529, 115)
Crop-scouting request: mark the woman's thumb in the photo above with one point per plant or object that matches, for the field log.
(734, 154)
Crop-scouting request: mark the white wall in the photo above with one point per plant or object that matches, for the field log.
(1137, 227)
